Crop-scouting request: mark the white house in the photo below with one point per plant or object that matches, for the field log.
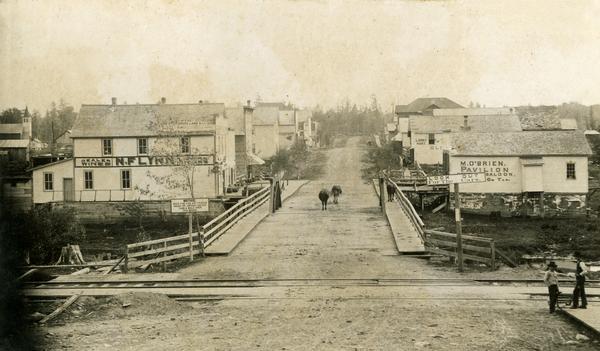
(527, 173)
(142, 152)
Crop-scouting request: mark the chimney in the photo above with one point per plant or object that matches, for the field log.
(200, 101)
(248, 103)
(163, 100)
(114, 101)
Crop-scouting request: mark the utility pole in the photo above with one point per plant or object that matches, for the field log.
(459, 249)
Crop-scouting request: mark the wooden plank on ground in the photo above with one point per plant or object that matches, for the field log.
(26, 274)
(506, 259)
(59, 310)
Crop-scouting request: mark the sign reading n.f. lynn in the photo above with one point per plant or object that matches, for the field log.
(189, 205)
(143, 161)
(456, 178)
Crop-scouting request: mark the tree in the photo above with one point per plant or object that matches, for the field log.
(12, 115)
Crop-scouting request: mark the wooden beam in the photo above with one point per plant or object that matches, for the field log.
(26, 274)
(59, 310)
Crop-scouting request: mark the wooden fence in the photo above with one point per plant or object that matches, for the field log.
(187, 245)
(475, 248)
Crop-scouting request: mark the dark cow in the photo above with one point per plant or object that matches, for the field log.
(324, 197)
(391, 190)
(336, 190)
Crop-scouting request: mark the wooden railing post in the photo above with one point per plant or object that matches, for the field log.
(164, 263)
(201, 241)
(493, 254)
(190, 225)
(126, 261)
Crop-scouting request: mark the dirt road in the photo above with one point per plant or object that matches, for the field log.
(350, 240)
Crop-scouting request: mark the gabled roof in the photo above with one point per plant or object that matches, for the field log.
(265, 115)
(146, 120)
(51, 164)
(527, 143)
(441, 124)
(11, 128)
(539, 117)
(14, 144)
(421, 104)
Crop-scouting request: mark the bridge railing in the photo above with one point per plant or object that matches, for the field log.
(190, 244)
(408, 209)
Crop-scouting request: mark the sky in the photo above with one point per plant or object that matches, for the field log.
(496, 53)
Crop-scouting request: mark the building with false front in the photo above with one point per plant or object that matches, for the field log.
(151, 152)
(266, 131)
(533, 173)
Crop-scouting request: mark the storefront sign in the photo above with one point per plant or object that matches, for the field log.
(456, 178)
(495, 170)
(143, 161)
(189, 205)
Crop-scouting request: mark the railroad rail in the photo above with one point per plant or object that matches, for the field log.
(210, 283)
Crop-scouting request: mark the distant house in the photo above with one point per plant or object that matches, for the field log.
(266, 131)
(15, 140)
(308, 129)
(15, 158)
(287, 128)
(430, 135)
(425, 106)
(534, 173)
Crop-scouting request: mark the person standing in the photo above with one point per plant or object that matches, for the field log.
(551, 280)
(581, 271)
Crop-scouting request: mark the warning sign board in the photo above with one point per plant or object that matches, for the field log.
(189, 205)
(456, 178)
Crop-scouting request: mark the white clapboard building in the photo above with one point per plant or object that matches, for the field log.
(142, 152)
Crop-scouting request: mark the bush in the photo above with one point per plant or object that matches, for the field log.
(46, 230)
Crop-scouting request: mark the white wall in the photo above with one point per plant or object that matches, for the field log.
(266, 140)
(59, 172)
(555, 174)
(507, 175)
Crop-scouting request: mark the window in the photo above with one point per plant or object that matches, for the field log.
(48, 181)
(184, 145)
(142, 145)
(106, 147)
(125, 179)
(431, 139)
(571, 170)
(88, 180)
(408, 134)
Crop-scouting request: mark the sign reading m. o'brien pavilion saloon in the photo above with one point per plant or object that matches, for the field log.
(143, 161)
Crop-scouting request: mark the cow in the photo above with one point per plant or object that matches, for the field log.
(391, 190)
(336, 190)
(324, 197)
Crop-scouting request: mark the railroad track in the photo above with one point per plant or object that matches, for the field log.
(219, 289)
(232, 283)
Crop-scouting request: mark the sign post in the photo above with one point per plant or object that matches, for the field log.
(459, 249)
(190, 206)
(457, 179)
